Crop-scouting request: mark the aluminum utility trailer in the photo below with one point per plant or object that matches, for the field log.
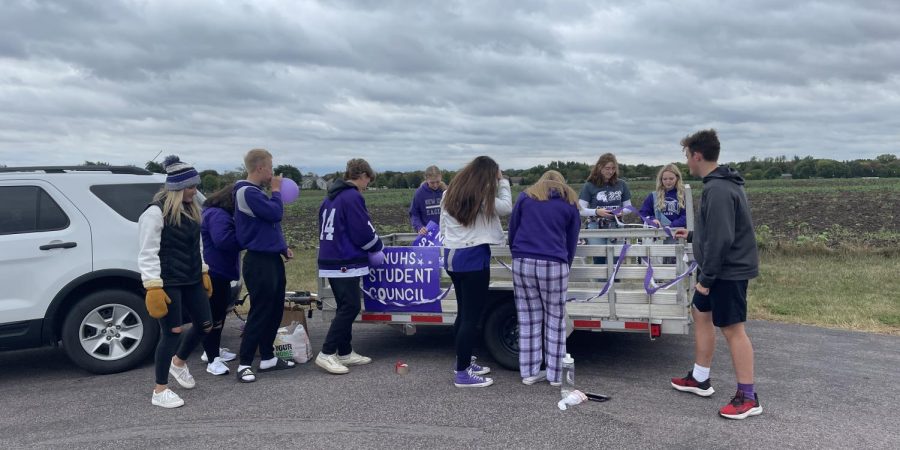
(626, 307)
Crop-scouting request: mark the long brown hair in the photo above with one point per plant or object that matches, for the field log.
(473, 189)
(596, 174)
(223, 198)
(552, 181)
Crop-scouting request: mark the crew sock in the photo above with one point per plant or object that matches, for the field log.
(701, 373)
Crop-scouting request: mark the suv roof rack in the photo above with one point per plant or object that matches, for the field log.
(132, 170)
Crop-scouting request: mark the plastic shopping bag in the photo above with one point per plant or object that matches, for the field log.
(283, 349)
(295, 336)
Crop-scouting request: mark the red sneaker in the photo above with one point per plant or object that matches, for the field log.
(741, 407)
(689, 384)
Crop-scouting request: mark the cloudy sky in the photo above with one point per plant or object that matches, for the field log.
(406, 84)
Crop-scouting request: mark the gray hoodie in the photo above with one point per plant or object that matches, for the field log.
(724, 241)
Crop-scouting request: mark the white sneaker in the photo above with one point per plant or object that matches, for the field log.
(541, 376)
(166, 399)
(182, 376)
(223, 353)
(331, 363)
(354, 359)
(217, 367)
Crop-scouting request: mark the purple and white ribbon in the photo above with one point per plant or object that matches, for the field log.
(611, 278)
(648, 221)
(650, 284)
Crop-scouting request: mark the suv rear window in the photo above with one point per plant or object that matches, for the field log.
(129, 200)
(29, 209)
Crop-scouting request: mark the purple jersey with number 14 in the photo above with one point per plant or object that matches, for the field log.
(346, 235)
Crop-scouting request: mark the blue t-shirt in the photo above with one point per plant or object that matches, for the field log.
(606, 196)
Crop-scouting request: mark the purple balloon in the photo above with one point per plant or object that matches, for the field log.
(376, 259)
(289, 190)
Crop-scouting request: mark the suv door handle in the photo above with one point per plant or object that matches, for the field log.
(58, 245)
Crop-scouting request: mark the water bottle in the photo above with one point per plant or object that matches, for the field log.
(568, 376)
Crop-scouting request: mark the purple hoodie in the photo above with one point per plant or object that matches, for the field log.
(346, 236)
(545, 230)
(425, 207)
(220, 246)
(257, 218)
(672, 212)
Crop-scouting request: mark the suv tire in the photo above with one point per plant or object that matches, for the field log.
(109, 331)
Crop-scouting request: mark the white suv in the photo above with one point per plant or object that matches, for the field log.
(68, 263)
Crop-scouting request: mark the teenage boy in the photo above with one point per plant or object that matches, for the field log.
(348, 245)
(257, 223)
(725, 249)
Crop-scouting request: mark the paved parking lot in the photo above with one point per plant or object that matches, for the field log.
(819, 389)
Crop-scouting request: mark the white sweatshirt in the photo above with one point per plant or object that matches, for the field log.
(150, 226)
(485, 230)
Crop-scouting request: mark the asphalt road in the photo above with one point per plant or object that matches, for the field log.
(819, 388)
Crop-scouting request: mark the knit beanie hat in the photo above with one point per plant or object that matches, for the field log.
(179, 175)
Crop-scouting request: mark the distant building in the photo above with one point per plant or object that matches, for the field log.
(310, 181)
(787, 176)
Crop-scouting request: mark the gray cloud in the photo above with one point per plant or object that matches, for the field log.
(407, 84)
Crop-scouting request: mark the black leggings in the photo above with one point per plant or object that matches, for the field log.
(218, 305)
(471, 296)
(348, 297)
(264, 277)
(190, 299)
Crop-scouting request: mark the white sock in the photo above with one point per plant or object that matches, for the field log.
(701, 373)
(268, 363)
(240, 368)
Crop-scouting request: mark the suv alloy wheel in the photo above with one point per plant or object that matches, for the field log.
(109, 331)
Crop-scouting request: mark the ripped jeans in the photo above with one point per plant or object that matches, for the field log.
(190, 299)
(219, 304)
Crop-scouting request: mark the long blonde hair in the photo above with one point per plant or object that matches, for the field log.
(661, 190)
(552, 181)
(173, 207)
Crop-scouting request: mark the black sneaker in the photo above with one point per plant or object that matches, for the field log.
(689, 384)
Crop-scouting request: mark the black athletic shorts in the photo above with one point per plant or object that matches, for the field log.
(727, 300)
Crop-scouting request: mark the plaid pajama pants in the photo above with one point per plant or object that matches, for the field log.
(540, 289)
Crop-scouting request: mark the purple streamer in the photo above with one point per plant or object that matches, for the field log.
(648, 278)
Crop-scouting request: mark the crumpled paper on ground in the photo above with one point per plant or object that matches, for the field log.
(575, 397)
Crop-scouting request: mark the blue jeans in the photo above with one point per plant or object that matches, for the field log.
(595, 225)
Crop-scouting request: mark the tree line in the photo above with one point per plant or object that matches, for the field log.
(883, 166)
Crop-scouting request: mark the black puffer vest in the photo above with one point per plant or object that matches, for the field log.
(179, 252)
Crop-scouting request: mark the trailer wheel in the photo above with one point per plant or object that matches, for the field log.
(501, 335)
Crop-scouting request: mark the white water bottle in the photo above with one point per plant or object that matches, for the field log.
(568, 376)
